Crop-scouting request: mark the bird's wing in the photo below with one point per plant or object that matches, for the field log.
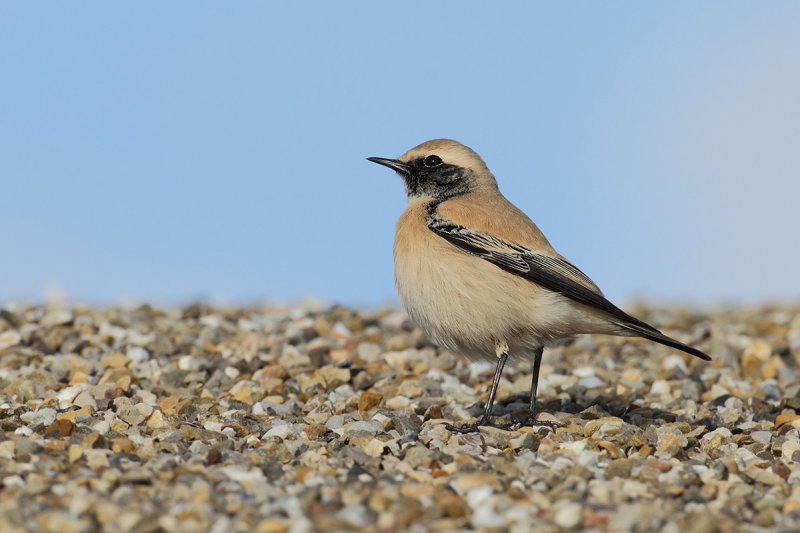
(554, 273)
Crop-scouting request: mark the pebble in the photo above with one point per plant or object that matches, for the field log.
(280, 419)
(9, 338)
(567, 514)
(369, 351)
(591, 382)
(44, 416)
(370, 427)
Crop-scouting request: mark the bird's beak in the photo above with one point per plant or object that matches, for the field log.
(394, 164)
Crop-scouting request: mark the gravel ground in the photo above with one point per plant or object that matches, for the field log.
(306, 419)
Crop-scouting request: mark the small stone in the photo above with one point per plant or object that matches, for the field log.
(485, 517)
(232, 372)
(57, 317)
(51, 445)
(131, 415)
(156, 421)
(674, 361)
(7, 449)
(119, 426)
(63, 427)
(85, 399)
(767, 477)
(242, 392)
(73, 414)
(368, 400)
(606, 426)
(333, 376)
(753, 356)
(137, 354)
(763, 437)
(591, 382)
(522, 441)
(27, 447)
(466, 482)
(619, 468)
(398, 403)
(93, 440)
(567, 514)
(661, 388)
(335, 422)
(614, 451)
(114, 360)
(368, 351)
(67, 395)
(672, 442)
(369, 445)
(122, 445)
(96, 459)
(369, 427)
(496, 437)
(9, 339)
(714, 439)
(789, 448)
(75, 453)
(144, 408)
(271, 525)
(187, 362)
(784, 418)
(282, 431)
(44, 416)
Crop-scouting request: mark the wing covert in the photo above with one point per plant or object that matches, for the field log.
(553, 273)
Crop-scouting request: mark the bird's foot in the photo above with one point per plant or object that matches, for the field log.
(467, 428)
(530, 421)
(474, 428)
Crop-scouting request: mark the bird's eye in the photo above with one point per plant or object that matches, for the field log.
(432, 161)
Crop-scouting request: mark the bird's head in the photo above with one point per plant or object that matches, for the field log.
(440, 169)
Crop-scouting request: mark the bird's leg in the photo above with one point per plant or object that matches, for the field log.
(530, 420)
(537, 363)
(485, 419)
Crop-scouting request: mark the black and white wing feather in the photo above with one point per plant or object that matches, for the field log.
(553, 273)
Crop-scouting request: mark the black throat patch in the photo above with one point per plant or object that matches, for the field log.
(441, 183)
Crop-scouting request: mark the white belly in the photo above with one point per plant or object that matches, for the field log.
(467, 305)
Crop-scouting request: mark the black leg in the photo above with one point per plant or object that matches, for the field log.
(485, 419)
(498, 371)
(531, 419)
(537, 363)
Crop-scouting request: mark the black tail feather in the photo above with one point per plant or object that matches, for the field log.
(650, 333)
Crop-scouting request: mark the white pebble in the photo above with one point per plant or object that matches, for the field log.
(9, 338)
(282, 431)
(485, 517)
(591, 382)
(568, 514)
(44, 416)
(101, 427)
(761, 436)
(674, 361)
(369, 351)
(398, 403)
(187, 362)
(137, 354)
(660, 387)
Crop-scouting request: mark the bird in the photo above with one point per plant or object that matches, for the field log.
(480, 278)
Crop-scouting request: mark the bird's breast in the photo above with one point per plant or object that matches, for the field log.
(464, 303)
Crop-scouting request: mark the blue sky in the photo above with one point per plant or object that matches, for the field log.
(170, 152)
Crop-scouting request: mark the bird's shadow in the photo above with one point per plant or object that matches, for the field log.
(593, 408)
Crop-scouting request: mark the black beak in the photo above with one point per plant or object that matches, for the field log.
(394, 164)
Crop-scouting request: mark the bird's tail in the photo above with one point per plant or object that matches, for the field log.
(642, 329)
